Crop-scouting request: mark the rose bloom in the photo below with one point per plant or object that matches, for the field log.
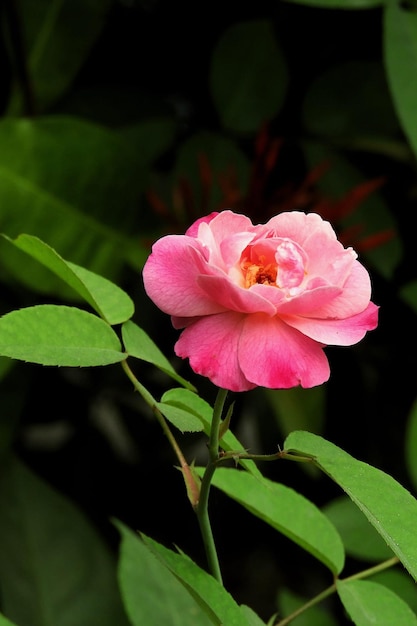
(259, 303)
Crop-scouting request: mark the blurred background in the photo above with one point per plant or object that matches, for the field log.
(125, 120)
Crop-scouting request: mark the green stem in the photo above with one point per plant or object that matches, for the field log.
(281, 454)
(202, 507)
(150, 400)
(333, 588)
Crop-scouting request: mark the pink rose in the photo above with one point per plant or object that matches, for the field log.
(259, 303)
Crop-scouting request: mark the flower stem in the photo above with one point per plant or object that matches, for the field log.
(333, 588)
(202, 507)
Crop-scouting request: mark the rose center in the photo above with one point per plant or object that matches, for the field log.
(261, 273)
(278, 263)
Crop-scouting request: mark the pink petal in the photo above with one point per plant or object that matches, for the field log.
(310, 302)
(338, 332)
(170, 277)
(212, 345)
(228, 223)
(192, 231)
(290, 259)
(272, 354)
(223, 252)
(299, 226)
(328, 301)
(235, 298)
(327, 257)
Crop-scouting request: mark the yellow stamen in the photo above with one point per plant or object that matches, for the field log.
(259, 273)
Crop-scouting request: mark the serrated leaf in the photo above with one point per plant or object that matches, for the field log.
(58, 335)
(55, 569)
(184, 420)
(248, 76)
(209, 593)
(371, 604)
(111, 302)
(390, 508)
(139, 345)
(194, 403)
(151, 592)
(287, 511)
(360, 538)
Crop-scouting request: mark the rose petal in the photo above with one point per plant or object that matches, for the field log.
(170, 277)
(337, 332)
(233, 297)
(212, 345)
(310, 302)
(329, 301)
(193, 230)
(299, 226)
(272, 354)
(228, 223)
(327, 257)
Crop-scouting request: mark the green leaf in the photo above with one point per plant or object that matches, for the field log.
(150, 138)
(73, 184)
(111, 302)
(250, 616)
(58, 335)
(54, 54)
(5, 622)
(248, 76)
(289, 602)
(287, 511)
(400, 583)
(359, 537)
(408, 293)
(55, 569)
(183, 419)
(371, 604)
(210, 594)
(389, 507)
(410, 443)
(152, 594)
(139, 345)
(350, 103)
(183, 398)
(190, 401)
(400, 46)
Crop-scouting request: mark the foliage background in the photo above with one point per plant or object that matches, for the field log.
(123, 121)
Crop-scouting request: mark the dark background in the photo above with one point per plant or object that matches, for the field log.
(85, 431)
